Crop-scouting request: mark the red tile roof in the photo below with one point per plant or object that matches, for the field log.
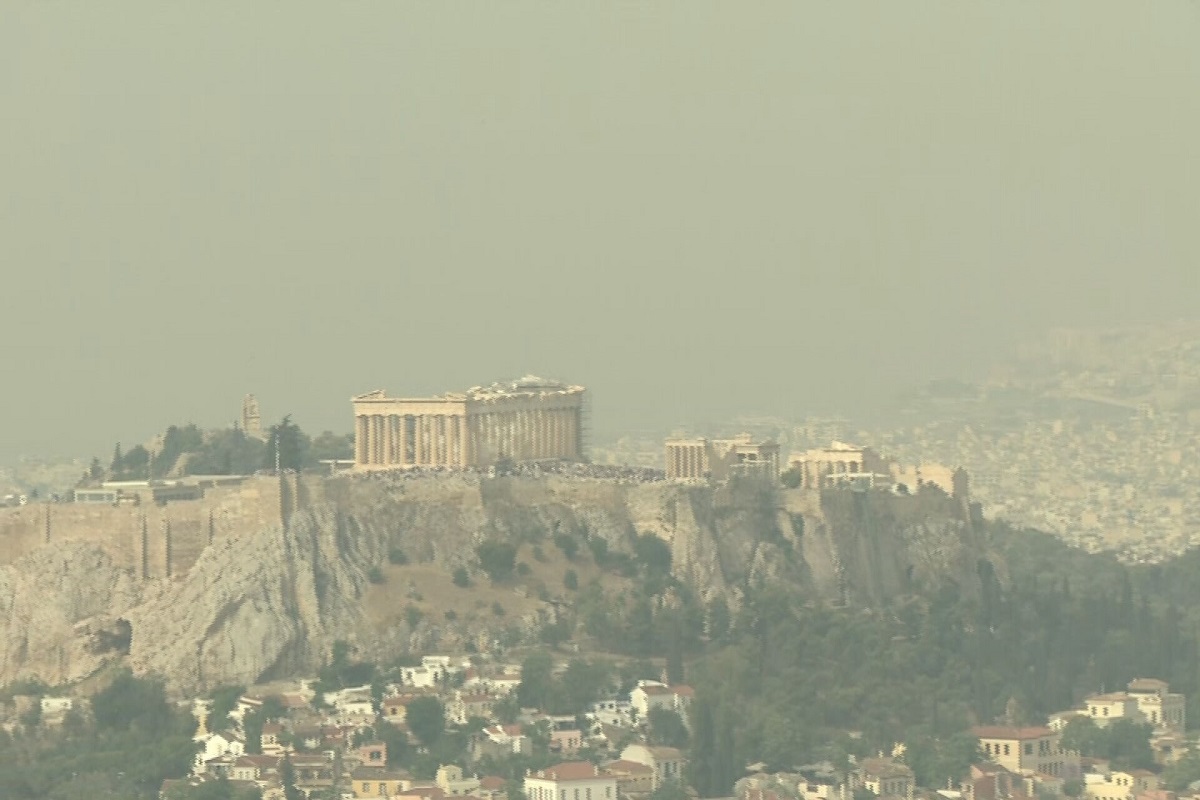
(570, 771)
(627, 767)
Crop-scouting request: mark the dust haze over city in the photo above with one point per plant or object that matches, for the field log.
(697, 211)
(774, 401)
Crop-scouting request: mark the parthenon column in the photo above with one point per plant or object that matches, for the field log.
(526, 434)
(572, 434)
(360, 440)
(388, 440)
(402, 425)
(536, 440)
(418, 439)
(464, 442)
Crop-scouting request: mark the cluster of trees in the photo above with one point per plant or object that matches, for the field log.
(783, 678)
(1124, 743)
(581, 684)
(123, 746)
(226, 451)
(924, 668)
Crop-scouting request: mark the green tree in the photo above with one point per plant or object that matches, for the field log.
(426, 719)
(1181, 774)
(667, 728)
(568, 544)
(669, 790)
(130, 701)
(398, 750)
(718, 619)
(506, 710)
(252, 728)
(461, 578)
(581, 684)
(537, 681)
(292, 445)
(571, 580)
(791, 478)
(328, 446)
(653, 554)
(287, 777)
(224, 700)
(228, 452)
(32, 718)
(498, 559)
(1129, 745)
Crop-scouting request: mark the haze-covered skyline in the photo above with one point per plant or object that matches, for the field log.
(693, 209)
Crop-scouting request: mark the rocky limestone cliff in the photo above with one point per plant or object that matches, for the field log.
(268, 603)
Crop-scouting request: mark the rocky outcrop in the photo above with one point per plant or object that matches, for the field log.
(267, 603)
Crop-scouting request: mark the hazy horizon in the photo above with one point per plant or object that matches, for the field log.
(694, 209)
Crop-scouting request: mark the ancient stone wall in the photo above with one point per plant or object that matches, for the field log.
(153, 541)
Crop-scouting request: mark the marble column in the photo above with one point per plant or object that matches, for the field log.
(572, 434)
(360, 440)
(464, 441)
(527, 440)
(402, 421)
(418, 439)
(389, 440)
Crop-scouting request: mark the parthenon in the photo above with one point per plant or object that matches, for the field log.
(530, 419)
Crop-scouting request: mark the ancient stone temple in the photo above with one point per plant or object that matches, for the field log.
(718, 459)
(530, 419)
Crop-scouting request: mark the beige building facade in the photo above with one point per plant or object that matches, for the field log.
(718, 459)
(530, 419)
(1158, 705)
(843, 464)
(840, 462)
(1028, 750)
(1145, 700)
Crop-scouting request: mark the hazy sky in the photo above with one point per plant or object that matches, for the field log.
(692, 208)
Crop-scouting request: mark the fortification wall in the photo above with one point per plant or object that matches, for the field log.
(153, 541)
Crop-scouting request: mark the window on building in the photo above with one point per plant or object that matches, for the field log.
(1006, 747)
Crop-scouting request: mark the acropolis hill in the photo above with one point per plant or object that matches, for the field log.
(258, 580)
